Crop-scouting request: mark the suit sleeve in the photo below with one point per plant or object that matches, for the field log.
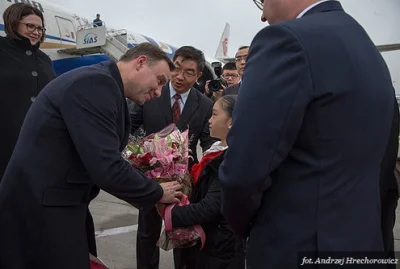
(136, 114)
(272, 102)
(206, 140)
(207, 210)
(90, 109)
(388, 165)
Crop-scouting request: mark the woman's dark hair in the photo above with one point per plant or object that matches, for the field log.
(228, 103)
(13, 15)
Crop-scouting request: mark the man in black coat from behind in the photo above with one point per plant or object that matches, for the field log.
(312, 173)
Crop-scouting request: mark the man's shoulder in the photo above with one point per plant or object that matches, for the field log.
(315, 24)
(234, 89)
(203, 100)
(95, 79)
(95, 71)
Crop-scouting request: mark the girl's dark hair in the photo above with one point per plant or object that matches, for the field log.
(13, 15)
(228, 103)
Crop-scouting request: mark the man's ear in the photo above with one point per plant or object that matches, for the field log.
(199, 75)
(140, 61)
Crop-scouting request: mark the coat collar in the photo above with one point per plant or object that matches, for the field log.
(116, 75)
(324, 7)
(23, 43)
(214, 164)
(112, 67)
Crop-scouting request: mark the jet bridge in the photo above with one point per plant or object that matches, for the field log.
(95, 40)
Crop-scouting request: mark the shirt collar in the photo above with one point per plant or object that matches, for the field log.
(216, 147)
(310, 7)
(172, 92)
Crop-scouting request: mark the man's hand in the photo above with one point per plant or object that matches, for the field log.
(206, 89)
(219, 93)
(172, 193)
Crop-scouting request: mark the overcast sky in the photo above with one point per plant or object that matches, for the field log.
(200, 22)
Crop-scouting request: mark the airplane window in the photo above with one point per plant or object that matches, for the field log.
(72, 35)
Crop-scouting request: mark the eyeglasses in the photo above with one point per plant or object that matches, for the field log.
(230, 75)
(241, 58)
(259, 4)
(186, 73)
(31, 28)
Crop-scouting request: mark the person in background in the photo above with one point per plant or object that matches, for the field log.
(97, 22)
(230, 74)
(220, 249)
(240, 60)
(25, 70)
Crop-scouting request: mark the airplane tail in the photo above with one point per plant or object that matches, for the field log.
(222, 50)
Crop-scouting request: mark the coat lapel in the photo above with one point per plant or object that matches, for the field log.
(191, 105)
(124, 136)
(165, 104)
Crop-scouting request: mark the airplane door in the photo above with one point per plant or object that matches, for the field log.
(67, 30)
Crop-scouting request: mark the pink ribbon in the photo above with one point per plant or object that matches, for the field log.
(168, 220)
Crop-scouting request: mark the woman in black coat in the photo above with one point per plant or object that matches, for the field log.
(25, 70)
(222, 249)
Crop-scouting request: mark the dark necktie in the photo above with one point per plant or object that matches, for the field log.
(176, 110)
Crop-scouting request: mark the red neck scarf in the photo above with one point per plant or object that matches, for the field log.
(198, 167)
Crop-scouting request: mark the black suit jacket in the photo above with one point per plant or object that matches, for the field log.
(388, 179)
(309, 134)
(157, 113)
(234, 89)
(71, 139)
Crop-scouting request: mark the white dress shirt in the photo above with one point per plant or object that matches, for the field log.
(182, 100)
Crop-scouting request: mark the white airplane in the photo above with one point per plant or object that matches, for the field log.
(62, 27)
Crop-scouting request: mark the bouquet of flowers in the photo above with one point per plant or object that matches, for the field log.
(164, 157)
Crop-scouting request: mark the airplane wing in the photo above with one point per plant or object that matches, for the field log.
(388, 47)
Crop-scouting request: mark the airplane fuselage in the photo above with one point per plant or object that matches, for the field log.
(61, 27)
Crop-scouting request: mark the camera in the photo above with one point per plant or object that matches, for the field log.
(216, 84)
